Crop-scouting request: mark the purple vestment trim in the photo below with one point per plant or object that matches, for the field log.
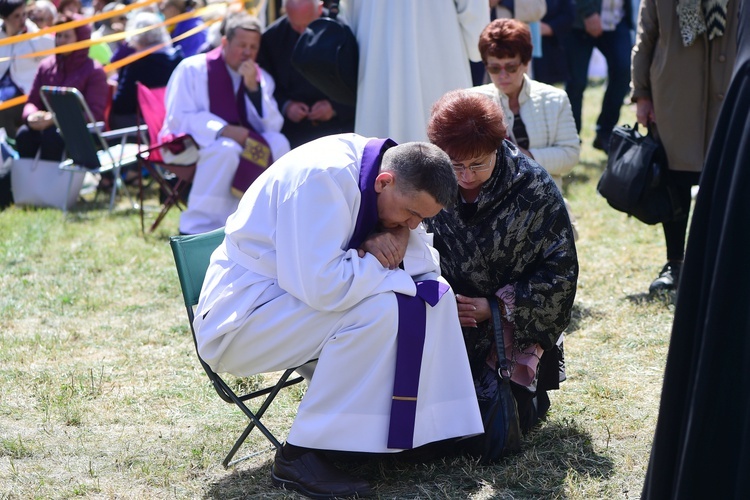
(412, 321)
(220, 88)
(367, 217)
(234, 112)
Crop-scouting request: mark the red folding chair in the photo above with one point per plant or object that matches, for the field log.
(170, 161)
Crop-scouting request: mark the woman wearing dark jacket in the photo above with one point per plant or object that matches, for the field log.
(153, 70)
(507, 239)
(71, 69)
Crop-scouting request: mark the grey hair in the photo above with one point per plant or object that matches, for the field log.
(47, 6)
(149, 38)
(241, 21)
(421, 166)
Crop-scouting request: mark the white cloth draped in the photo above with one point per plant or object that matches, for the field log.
(410, 54)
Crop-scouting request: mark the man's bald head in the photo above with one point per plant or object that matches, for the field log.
(300, 13)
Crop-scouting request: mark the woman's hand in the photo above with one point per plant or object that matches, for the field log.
(472, 310)
(40, 120)
(388, 246)
(644, 111)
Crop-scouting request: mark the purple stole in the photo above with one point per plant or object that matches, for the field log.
(412, 312)
(256, 156)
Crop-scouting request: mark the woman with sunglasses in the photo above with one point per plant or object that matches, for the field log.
(538, 116)
(507, 239)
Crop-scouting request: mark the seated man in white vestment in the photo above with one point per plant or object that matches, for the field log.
(221, 99)
(326, 258)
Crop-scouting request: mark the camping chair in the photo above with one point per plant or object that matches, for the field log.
(170, 161)
(86, 144)
(191, 255)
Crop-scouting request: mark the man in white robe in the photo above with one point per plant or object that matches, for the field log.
(309, 269)
(410, 54)
(191, 109)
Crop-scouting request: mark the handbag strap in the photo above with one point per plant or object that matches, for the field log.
(503, 366)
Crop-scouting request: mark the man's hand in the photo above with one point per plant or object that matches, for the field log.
(235, 132)
(249, 74)
(644, 111)
(296, 111)
(593, 25)
(321, 111)
(472, 310)
(40, 120)
(388, 246)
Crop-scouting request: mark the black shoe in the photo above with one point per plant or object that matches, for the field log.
(668, 279)
(601, 142)
(314, 476)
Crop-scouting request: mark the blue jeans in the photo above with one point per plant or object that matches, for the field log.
(615, 46)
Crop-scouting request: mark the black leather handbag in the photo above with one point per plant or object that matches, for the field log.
(502, 432)
(327, 55)
(636, 179)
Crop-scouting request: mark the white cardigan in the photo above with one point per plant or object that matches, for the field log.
(22, 71)
(547, 115)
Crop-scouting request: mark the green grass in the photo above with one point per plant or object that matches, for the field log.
(101, 395)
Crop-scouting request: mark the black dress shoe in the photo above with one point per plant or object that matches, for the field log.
(314, 476)
(668, 279)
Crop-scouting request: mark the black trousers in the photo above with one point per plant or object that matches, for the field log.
(29, 141)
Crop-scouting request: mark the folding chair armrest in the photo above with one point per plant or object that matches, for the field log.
(96, 126)
(124, 132)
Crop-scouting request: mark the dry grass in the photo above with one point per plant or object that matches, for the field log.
(101, 395)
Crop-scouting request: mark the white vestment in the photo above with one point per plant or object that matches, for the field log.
(283, 289)
(188, 112)
(410, 54)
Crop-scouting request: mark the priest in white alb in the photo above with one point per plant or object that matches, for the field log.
(326, 258)
(225, 102)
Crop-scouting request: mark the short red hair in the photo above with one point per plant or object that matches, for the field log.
(466, 124)
(506, 38)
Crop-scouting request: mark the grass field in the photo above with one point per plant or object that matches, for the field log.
(101, 395)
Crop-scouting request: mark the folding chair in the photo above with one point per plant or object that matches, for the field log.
(86, 144)
(171, 159)
(192, 254)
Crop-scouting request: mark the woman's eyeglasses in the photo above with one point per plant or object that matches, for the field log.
(460, 168)
(496, 69)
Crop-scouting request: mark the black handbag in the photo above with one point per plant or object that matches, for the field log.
(327, 55)
(502, 432)
(636, 179)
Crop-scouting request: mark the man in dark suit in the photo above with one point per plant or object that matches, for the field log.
(308, 113)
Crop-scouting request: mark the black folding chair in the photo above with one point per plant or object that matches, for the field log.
(86, 144)
(192, 254)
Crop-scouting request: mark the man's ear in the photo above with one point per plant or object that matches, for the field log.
(382, 180)
(224, 42)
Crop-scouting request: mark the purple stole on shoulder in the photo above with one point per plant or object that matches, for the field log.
(228, 103)
(412, 312)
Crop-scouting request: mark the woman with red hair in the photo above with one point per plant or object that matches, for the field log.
(507, 239)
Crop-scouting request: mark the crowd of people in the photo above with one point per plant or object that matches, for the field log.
(440, 176)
